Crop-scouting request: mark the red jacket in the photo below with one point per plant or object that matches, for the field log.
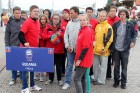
(93, 23)
(48, 32)
(42, 42)
(111, 21)
(85, 40)
(64, 22)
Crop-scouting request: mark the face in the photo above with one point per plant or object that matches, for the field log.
(35, 13)
(46, 13)
(55, 20)
(43, 20)
(102, 16)
(17, 14)
(24, 16)
(89, 13)
(65, 15)
(83, 20)
(122, 16)
(73, 14)
(112, 12)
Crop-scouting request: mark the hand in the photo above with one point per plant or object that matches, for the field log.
(69, 49)
(26, 45)
(102, 52)
(58, 33)
(77, 63)
(132, 45)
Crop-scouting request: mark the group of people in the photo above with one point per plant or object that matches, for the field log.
(89, 44)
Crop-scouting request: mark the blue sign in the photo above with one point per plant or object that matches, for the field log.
(30, 59)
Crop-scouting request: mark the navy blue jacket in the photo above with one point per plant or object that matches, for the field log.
(130, 35)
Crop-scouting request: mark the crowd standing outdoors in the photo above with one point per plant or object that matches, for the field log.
(89, 45)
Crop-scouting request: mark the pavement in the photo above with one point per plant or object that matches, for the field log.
(133, 85)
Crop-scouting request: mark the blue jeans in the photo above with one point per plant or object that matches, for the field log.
(70, 60)
(14, 75)
(25, 79)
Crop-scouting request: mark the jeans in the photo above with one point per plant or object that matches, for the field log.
(69, 68)
(14, 75)
(25, 79)
(80, 80)
(121, 59)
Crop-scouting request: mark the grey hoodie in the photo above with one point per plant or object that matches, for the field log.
(12, 31)
(71, 33)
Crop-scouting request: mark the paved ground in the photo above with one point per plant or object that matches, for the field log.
(133, 85)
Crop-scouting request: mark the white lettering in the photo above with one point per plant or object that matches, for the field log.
(29, 64)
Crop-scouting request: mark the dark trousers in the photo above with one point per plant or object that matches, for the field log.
(64, 61)
(58, 62)
(109, 69)
(91, 70)
(120, 59)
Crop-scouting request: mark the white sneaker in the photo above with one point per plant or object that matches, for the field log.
(60, 83)
(25, 90)
(48, 82)
(41, 79)
(36, 78)
(12, 82)
(92, 77)
(65, 86)
(35, 88)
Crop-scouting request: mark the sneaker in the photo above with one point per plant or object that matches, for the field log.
(123, 86)
(12, 82)
(48, 82)
(115, 85)
(92, 77)
(41, 79)
(60, 83)
(97, 83)
(35, 88)
(36, 78)
(25, 90)
(65, 86)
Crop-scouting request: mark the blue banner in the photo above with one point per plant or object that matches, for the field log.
(30, 59)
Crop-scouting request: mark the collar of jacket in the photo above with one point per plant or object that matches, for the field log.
(104, 22)
(119, 22)
(75, 20)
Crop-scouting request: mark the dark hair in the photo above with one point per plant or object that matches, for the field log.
(23, 12)
(59, 19)
(89, 8)
(16, 8)
(76, 9)
(33, 7)
(49, 16)
(125, 11)
(113, 7)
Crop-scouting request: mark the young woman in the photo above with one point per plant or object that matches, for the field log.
(54, 36)
(84, 54)
(42, 43)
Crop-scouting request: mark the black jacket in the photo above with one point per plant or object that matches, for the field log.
(12, 30)
(130, 35)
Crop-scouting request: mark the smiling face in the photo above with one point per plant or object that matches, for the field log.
(17, 14)
(73, 14)
(55, 19)
(102, 16)
(35, 13)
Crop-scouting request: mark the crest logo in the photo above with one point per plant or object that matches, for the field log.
(29, 55)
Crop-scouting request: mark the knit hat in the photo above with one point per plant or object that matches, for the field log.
(66, 10)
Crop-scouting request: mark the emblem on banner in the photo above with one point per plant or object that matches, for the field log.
(29, 55)
(8, 49)
(50, 51)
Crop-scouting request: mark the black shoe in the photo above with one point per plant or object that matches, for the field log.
(115, 85)
(123, 86)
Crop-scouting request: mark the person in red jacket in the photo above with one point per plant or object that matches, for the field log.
(112, 18)
(43, 21)
(64, 21)
(84, 54)
(54, 36)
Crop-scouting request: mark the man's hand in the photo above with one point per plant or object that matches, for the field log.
(69, 49)
(26, 45)
(77, 63)
(132, 45)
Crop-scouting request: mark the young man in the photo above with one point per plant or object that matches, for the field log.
(112, 18)
(124, 39)
(70, 37)
(29, 37)
(24, 15)
(11, 35)
(103, 37)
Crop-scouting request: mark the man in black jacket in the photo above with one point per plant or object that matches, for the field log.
(11, 34)
(124, 39)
